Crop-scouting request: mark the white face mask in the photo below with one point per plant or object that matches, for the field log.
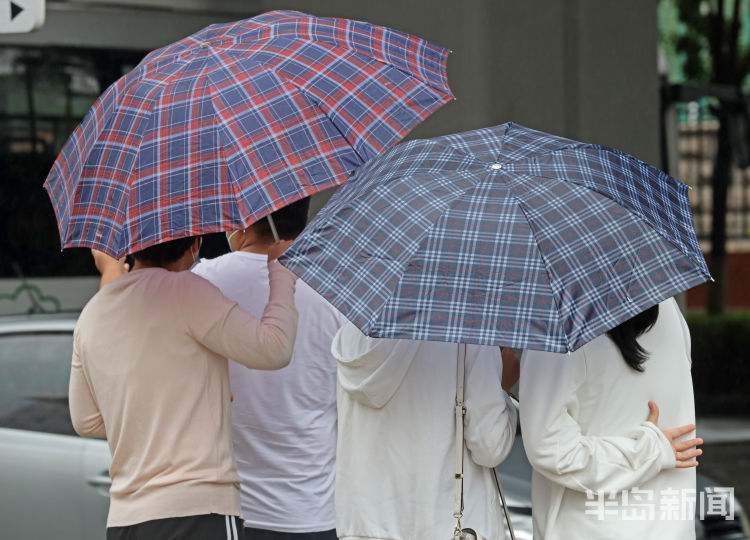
(229, 238)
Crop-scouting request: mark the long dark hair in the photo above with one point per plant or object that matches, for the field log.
(166, 252)
(624, 336)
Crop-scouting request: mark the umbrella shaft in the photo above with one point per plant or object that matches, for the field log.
(274, 232)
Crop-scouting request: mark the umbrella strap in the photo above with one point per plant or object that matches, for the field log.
(505, 504)
(460, 410)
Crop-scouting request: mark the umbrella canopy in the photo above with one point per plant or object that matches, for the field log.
(222, 128)
(500, 236)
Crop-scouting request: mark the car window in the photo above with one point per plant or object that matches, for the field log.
(34, 374)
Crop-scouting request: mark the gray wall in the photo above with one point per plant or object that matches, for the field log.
(585, 69)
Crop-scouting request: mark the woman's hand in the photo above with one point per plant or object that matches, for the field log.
(684, 456)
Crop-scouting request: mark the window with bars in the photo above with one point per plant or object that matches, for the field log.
(44, 94)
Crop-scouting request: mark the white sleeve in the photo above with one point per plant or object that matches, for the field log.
(220, 325)
(490, 421)
(684, 328)
(558, 449)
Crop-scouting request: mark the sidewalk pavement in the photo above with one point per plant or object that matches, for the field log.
(726, 457)
(718, 430)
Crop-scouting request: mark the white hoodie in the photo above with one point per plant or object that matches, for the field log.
(395, 463)
(583, 420)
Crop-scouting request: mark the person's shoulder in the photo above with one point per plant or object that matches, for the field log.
(115, 290)
(191, 278)
(670, 306)
(670, 318)
(90, 310)
(206, 267)
(233, 262)
(308, 298)
(196, 292)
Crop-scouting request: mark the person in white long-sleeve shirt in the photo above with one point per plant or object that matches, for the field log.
(283, 426)
(396, 453)
(602, 467)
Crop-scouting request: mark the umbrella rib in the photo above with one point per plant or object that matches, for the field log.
(156, 94)
(544, 262)
(222, 149)
(341, 50)
(596, 189)
(418, 243)
(304, 86)
(106, 124)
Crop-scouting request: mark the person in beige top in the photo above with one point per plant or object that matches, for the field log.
(149, 373)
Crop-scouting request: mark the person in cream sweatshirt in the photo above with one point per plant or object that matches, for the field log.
(149, 373)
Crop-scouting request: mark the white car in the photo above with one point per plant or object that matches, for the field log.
(52, 482)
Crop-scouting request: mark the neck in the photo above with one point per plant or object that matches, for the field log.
(260, 248)
(183, 263)
(140, 265)
(252, 243)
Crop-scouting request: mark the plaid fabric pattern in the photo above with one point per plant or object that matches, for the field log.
(500, 236)
(223, 127)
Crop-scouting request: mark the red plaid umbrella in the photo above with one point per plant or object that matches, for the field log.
(236, 121)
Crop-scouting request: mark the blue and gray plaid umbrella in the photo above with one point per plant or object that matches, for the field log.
(500, 236)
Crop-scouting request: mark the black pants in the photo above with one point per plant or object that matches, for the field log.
(203, 527)
(262, 534)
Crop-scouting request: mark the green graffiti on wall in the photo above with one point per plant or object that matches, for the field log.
(37, 299)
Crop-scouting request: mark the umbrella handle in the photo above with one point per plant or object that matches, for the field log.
(274, 232)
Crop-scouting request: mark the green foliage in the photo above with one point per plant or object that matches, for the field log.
(721, 363)
(709, 39)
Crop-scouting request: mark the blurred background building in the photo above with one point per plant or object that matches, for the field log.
(585, 69)
(705, 52)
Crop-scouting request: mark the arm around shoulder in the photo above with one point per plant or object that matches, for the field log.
(225, 328)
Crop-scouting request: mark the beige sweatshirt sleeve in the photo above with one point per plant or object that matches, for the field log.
(84, 412)
(222, 326)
